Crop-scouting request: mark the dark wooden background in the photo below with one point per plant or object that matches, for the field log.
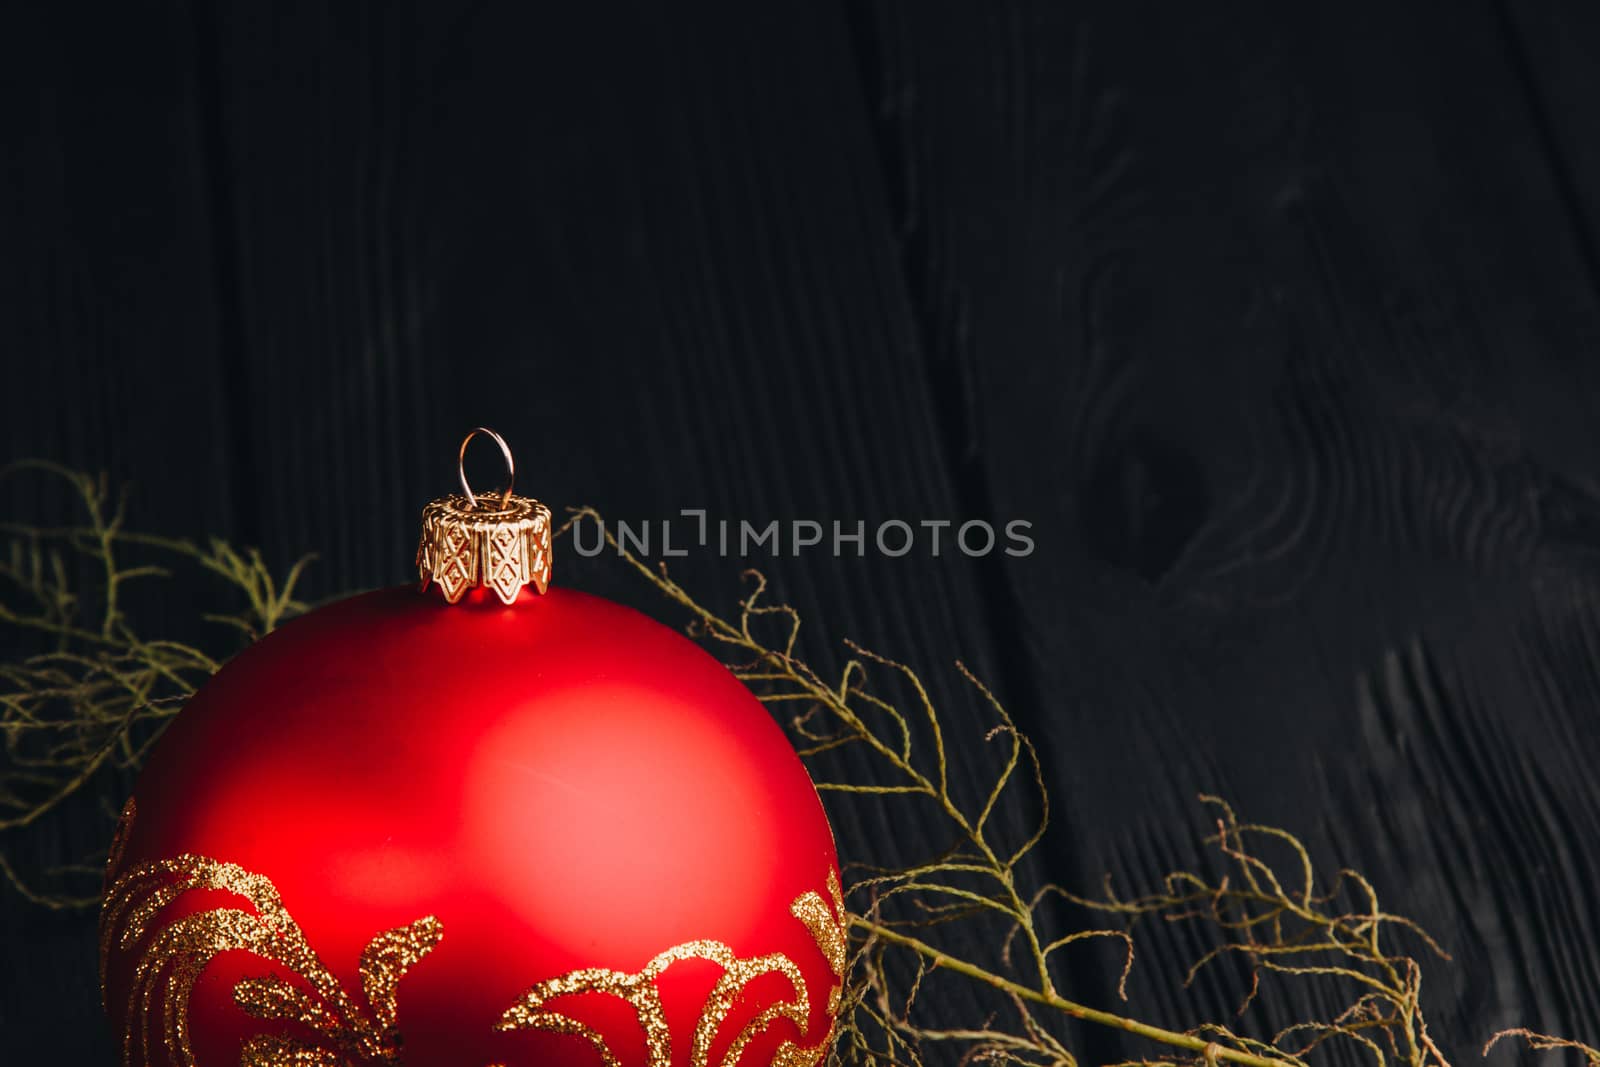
(1278, 321)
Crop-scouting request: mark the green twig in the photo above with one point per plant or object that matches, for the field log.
(98, 693)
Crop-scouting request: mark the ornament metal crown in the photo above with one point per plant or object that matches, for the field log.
(470, 541)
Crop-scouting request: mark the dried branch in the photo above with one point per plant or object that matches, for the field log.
(1266, 910)
(96, 693)
(1546, 1043)
(94, 696)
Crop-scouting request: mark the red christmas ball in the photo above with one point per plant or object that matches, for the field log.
(397, 830)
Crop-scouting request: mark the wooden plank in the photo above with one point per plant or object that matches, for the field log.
(651, 261)
(108, 263)
(109, 349)
(1273, 323)
(1274, 328)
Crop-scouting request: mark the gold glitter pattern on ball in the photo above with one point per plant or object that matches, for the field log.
(119, 846)
(273, 1051)
(827, 927)
(174, 954)
(119, 839)
(171, 957)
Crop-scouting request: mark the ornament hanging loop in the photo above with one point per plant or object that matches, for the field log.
(469, 543)
(505, 451)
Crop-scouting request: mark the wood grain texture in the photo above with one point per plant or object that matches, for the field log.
(1277, 328)
(1281, 327)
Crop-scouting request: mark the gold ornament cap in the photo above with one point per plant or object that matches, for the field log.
(470, 541)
